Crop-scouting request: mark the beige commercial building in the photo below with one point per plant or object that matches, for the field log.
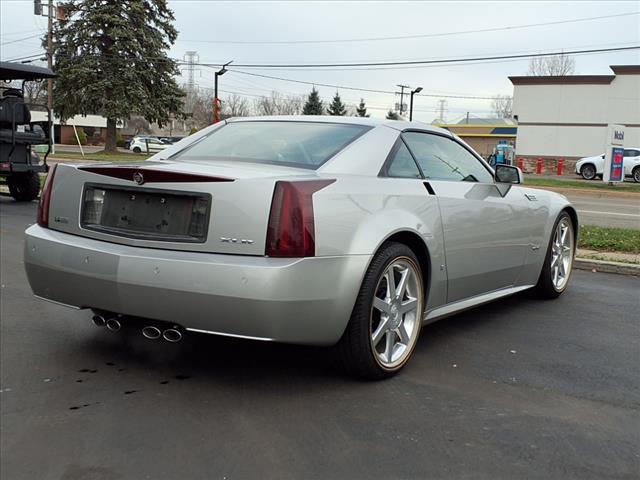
(567, 116)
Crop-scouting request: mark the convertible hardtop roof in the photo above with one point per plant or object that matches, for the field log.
(20, 71)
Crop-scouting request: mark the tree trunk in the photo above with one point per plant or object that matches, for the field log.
(110, 145)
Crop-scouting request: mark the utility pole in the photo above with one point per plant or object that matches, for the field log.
(191, 57)
(467, 122)
(441, 106)
(402, 87)
(216, 101)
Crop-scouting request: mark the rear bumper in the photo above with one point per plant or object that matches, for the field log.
(306, 300)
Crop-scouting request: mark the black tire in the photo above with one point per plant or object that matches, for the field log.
(24, 187)
(635, 174)
(355, 351)
(588, 171)
(137, 150)
(545, 288)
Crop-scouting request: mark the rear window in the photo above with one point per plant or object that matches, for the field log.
(295, 144)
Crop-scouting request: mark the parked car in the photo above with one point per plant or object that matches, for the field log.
(592, 167)
(147, 144)
(350, 232)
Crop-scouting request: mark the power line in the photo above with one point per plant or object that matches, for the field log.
(406, 37)
(430, 62)
(21, 39)
(368, 90)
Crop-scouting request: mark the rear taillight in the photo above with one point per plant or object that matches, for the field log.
(45, 198)
(291, 229)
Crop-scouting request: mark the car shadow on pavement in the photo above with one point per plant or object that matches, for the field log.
(228, 360)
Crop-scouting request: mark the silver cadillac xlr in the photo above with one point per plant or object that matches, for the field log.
(311, 230)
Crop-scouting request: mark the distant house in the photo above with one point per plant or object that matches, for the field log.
(483, 134)
(94, 126)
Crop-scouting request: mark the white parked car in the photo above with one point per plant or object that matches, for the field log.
(147, 144)
(591, 167)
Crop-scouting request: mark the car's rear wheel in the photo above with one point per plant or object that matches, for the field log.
(137, 149)
(24, 187)
(636, 174)
(386, 319)
(558, 263)
(588, 171)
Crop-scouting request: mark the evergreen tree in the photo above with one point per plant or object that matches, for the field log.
(337, 108)
(391, 115)
(111, 60)
(361, 110)
(313, 105)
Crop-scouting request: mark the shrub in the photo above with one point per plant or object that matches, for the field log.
(82, 136)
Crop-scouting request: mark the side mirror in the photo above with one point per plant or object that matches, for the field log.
(508, 174)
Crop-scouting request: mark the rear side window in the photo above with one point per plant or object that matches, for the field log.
(441, 158)
(296, 144)
(401, 164)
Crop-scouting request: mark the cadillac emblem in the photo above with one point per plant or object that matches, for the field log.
(138, 178)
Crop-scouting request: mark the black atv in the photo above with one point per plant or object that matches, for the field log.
(19, 164)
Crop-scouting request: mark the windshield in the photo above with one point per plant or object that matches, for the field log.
(296, 144)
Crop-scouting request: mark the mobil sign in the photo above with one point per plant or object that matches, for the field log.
(614, 153)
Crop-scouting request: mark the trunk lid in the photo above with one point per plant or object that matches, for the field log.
(216, 207)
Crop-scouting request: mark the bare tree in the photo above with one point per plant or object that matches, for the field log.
(277, 104)
(235, 106)
(502, 106)
(557, 65)
(138, 125)
(35, 91)
(202, 109)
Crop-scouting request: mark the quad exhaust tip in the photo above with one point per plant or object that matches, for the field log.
(114, 325)
(172, 335)
(151, 332)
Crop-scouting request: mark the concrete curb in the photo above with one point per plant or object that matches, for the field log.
(599, 193)
(607, 267)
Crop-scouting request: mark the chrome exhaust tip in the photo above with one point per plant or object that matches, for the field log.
(151, 332)
(98, 321)
(114, 325)
(172, 335)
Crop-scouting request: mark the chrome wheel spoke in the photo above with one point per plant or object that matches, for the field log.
(391, 282)
(404, 335)
(380, 304)
(388, 349)
(380, 331)
(408, 306)
(402, 285)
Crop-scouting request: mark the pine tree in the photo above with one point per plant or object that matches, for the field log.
(361, 110)
(111, 60)
(391, 115)
(313, 105)
(337, 108)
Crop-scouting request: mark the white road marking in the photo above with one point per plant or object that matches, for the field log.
(603, 204)
(610, 213)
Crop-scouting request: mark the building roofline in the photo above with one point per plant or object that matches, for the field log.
(563, 80)
(625, 69)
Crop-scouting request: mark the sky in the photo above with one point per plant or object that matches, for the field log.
(223, 31)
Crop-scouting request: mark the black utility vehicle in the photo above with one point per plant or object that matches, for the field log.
(19, 164)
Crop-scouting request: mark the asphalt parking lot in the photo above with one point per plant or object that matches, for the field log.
(517, 389)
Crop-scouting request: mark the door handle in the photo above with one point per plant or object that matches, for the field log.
(429, 188)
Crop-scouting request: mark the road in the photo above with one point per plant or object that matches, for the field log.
(521, 388)
(606, 211)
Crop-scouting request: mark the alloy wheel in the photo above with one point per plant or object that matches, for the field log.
(396, 313)
(588, 172)
(562, 254)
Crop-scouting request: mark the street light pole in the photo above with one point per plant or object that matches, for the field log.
(413, 92)
(216, 102)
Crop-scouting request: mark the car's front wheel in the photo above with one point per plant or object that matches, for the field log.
(588, 171)
(636, 174)
(558, 263)
(387, 316)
